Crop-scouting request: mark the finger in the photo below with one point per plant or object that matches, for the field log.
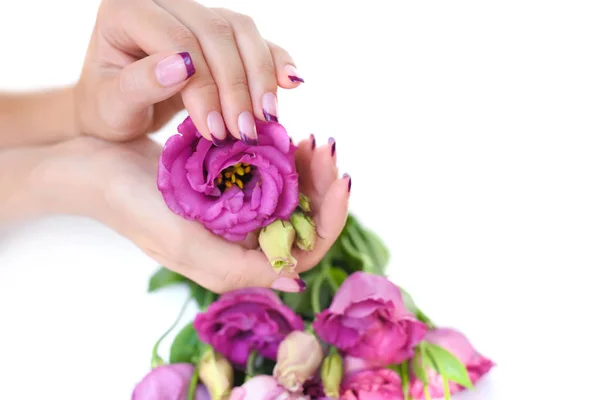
(329, 222)
(303, 158)
(258, 62)
(323, 171)
(125, 99)
(218, 44)
(287, 75)
(154, 30)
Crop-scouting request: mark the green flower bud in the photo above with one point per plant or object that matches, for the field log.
(332, 371)
(304, 203)
(306, 233)
(276, 241)
(216, 374)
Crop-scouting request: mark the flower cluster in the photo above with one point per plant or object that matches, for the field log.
(353, 335)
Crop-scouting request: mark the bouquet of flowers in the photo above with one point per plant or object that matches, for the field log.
(352, 335)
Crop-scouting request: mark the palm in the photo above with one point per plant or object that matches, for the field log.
(185, 246)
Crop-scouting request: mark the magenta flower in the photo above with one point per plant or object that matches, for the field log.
(374, 384)
(233, 189)
(264, 387)
(245, 320)
(367, 319)
(457, 344)
(168, 382)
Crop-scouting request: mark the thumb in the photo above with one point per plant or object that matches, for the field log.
(127, 96)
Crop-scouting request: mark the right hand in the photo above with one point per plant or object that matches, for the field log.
(147, 59)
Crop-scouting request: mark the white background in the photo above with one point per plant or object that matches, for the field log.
(470, 129)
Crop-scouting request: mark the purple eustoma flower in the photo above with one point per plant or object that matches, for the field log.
(367, 319)
(168, 382)
(231, 189)
(245, 320)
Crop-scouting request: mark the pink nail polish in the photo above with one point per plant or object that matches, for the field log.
(174, 69)
(216, 126)
(290, 285)
(292, 74)
(247, 128)
(269, 105)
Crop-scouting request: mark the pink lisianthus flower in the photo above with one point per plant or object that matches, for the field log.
(457, 344)
(168, 382)
(232, 189)
(264, 387)
(372, 384)
(367, 319)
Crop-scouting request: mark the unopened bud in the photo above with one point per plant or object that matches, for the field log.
(276, 241)
(298, 358)
(332, 371)
(304, 203)
(216, 374)
(306, 233)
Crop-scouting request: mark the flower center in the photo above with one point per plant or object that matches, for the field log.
(238, 174)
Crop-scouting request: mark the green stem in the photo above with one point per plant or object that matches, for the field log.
(156, 359)
(191, 395)
(315, 295)
(446, 388)
(250, 365)
(405, 376)
(425, 319)
(427, 394)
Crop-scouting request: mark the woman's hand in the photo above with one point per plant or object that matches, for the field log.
(116, 184)
(148, 59)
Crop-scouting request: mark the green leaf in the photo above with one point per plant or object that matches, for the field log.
(186, 347)
(301, 302)
(203, 296)
(405, 377)
(409, 303)
(379, 252)
(447, 365)
(163, 278)
(336, 277)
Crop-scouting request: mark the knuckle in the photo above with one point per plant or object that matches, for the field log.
(204, 84)
(265, 67)
(235, 279)
(182, 36)
(219, 27)
(238, 84)
(245, 21)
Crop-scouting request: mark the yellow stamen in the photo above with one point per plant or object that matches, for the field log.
(240, 184)
(219, 181)
(247, 169)
(228, 174)
(239, 171)
(233, 178)
(228, 184)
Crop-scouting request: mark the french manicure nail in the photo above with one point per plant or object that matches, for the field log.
(313, 141)
(216, 126)
(349, 181)
(247, 128)
(292, 74)
(269, 105)
(174, 69)
(332, 143)
(290, 285)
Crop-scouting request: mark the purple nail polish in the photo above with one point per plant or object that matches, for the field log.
(189, 65)
(313, 141)
(248, 141)
(218, 142)
(270, 117)
(295, 79)
(301, 284)
(332, 142)
(349, 181)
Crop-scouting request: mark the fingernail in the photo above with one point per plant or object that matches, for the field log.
(313, 141)
(174, 69)
(292, 74)
(247, 128)
(332, 142)
(349, 181)
(216, 126)
(269, 104)
(284, 284)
